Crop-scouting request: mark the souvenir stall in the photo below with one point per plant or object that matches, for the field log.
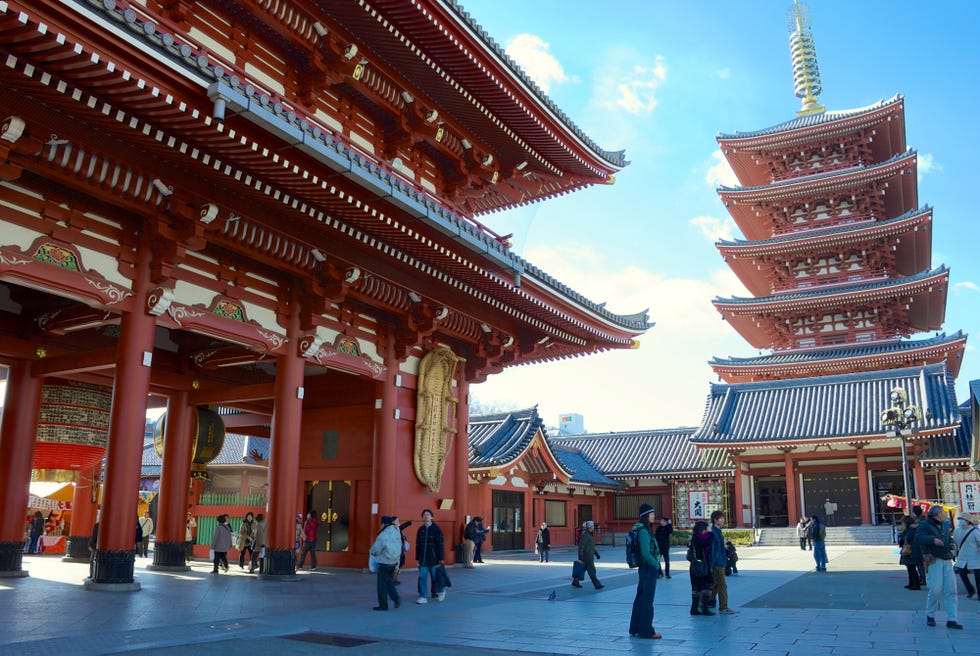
(53, 501)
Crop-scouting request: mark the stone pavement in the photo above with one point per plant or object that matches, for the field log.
(501, 607)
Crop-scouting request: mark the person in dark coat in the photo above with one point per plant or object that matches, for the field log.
(479, 535)
(641, 619)
(430, 553)
(543, 543)
(913, 559)
(663, 543)
(587, 555)
(37, 530)
(702, 586)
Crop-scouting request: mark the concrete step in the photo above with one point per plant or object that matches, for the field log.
(843, 535)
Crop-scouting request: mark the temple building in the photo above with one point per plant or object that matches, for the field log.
(266, 217)
(837, 257)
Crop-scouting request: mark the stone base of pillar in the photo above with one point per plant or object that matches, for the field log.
(169, 554)
(280, 565)
(12, 559)
(112, 567)
(89, 584)
(77, 551)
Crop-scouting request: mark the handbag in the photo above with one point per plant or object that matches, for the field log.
(578, 570)
(906, 549)
(698, 567)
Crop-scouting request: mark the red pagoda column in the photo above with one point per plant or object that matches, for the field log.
(280, 558)
(920, 479)
(739, 514)
(863, 491)
(463, 455)
(792, 501)
(115, 554)
(84, 504)
(385, 431)
(170, 547)
(17, 432)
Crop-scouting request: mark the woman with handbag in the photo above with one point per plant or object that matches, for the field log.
(702, 581)
(967, 539)
(911, 553)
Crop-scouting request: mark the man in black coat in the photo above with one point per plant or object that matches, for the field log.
(662, 536)
(430, 553)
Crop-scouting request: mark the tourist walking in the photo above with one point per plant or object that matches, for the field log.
(718, 560)
(189, 537)
(479, 536)
(146, 527)
(918, 518)
(309, 540)
(663, 544)
(587, 555)
(937, 551)
(911, 553)
(641, 619)
(258, 544)
(246, 540)
(469, 533)
(818, 533)
(430, 554)
(543, 543)
(387, 549)
(803, 533)
(221, 543)
(701, 571)
(967, 538)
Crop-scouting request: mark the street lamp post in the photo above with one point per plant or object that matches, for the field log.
(900, 417)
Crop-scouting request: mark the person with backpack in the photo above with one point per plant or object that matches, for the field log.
(543, 543)
(648, 557)
(818, 533)
(701, 571)
(663, 543)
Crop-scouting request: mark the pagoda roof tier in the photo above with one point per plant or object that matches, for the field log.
(760, 211)
(798, 363)
(909, 235)
(747, 152)
(951, 450)
(648, 453)
(826, 408)
(922, 299)
(322, 196)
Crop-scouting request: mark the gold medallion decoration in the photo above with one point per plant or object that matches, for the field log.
(435, 420)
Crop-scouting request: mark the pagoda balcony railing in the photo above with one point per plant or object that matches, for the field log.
(285, 106)
(784, 227)
(830, 280)
(804, 170)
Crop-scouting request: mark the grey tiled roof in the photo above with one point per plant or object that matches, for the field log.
(646, 453)
(236, 450)
(839, 352)
(502, 437)
(825, 406)
(945, 448)
(828, 290)
(813, 120)
(578, 462)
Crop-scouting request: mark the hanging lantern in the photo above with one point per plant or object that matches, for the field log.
(72, 429)
(209, 438)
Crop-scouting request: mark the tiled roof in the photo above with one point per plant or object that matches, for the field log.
(236, 450)
(646, 453)
(827, 232)
(578, 462)
(502, 437)
(827, 290)
(813, 120)
(824, 407)
(955, 447)
(839, 352)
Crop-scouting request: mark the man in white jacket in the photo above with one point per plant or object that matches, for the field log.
(387, 549)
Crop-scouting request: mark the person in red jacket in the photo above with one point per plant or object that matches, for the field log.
(309, 540)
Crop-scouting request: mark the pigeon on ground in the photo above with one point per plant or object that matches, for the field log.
(551, 597)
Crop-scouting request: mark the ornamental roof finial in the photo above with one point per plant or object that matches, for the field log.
(806, 73)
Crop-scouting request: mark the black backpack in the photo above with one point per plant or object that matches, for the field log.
(633, 556)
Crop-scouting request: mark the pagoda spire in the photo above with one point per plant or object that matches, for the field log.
(806, 73)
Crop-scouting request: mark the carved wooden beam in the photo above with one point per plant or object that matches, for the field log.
(73, 318)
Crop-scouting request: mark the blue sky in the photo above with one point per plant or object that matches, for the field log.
(661, 80)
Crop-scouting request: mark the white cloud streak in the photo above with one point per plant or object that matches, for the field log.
(531, 53)
(631, 88)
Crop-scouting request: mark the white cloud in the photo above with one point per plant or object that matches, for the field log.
(662, 384)
(631, 88)
(722, 74)
(714, 228)
(972, 286)
(531, 53)
(927, 164)
(719, 172)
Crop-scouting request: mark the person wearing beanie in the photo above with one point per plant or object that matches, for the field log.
(967, 538)
(386, 550)
(641, 619)
(587, 555)
(937, 550)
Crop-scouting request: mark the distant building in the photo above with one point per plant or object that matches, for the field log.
(571, 424)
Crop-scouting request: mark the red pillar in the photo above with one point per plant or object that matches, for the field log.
(169, 549)
(863, 491)
(920, 479)
(17, 433)
(280, 558)
(792, 503)
(462, 455)
(84, 504)
(386, 435)
(116, 551)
